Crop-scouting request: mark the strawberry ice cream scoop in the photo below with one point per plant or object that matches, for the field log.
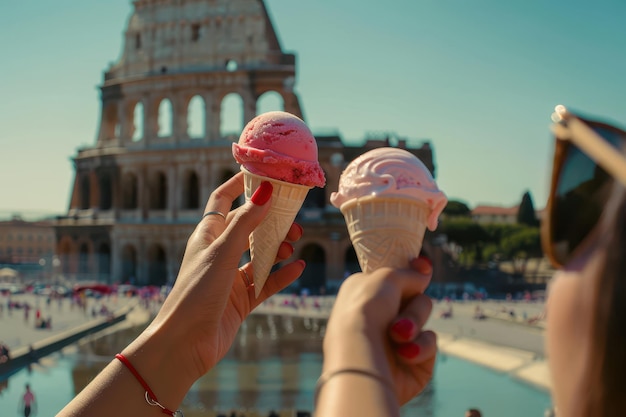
(279, 145)
(390, 172)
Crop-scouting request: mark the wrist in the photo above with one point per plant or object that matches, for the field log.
(163, 363)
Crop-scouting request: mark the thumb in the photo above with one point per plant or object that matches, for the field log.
(248, 218)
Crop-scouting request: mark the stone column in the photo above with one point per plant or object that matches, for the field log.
(172, 198)
(213, 117)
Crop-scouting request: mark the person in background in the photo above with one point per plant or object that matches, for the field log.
(28, 404)
(473, 412)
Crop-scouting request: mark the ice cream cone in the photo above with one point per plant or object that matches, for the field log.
(285, 203)
(385, 231)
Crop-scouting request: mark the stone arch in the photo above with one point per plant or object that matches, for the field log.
(157, 265)
(158, 191)
(270, 101)
(231, 115)
(66, 250)
(196, 118)
(129, 264)
(191, 190)
(84, 260)
(130, 197)
(314, 276)
(104, 261)
(106, 191)
(166, 118)
(85, 191)
(351, 261)
(231, 65)
(138, 122)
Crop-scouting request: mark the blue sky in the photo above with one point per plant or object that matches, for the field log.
(477, 78)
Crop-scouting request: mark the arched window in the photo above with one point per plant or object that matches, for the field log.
(138, 121)
(129, 264)
(270, 101)
(196, 116)
(157, 265)
(106, 192)
(83, 260)
(231, 116)
(165, 118)
(104, 262)
(191, 197)
(158, 192)
(231, 65)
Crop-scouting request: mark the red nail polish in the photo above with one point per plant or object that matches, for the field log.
(425, 265)
(262, 194)
(300, 227)
(403, 328)
(408, 350)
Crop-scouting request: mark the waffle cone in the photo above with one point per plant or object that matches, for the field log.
(265, 240)
(385, 231)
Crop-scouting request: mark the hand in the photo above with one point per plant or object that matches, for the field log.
(210, 299)
(376, 324)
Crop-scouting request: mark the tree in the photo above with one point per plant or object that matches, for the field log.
(522, 245)
(467, 234)
(526, 214)
(457, 208)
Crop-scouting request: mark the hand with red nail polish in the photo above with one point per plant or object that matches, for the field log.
(377, 325)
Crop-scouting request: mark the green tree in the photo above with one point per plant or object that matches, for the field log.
(526, 213)
(457, 208)
(522, 245)
(468, 235)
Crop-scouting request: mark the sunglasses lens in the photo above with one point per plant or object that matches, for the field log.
(582, 191)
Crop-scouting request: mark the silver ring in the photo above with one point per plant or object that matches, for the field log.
(210, 213)
(249, 282)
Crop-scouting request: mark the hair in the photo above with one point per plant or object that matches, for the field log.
(474, 412)
(607, 362)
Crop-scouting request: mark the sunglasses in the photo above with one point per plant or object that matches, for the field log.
(588, 158)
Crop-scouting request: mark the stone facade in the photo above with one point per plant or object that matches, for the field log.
(141, 189)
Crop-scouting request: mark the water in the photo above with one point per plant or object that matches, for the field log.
(274, 364)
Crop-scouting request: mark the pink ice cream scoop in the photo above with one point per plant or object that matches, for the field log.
(390, 172)
(279, 145)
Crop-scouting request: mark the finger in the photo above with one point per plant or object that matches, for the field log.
(221, 200)
(235, 239)
(285, 250)
(422, 349)
(295, 233)
(411, 319)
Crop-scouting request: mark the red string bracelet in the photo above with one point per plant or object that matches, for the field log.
(150, 397)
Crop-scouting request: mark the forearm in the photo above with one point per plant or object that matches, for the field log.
(356, 380)
(116, 391)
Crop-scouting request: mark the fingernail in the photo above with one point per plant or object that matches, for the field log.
(424, 265)
(290, 246)
(403, 328)
(408, 350)
(300, 227)
(301, 262)
(262, 194)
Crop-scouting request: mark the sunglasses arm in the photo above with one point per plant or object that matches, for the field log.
(598, 149)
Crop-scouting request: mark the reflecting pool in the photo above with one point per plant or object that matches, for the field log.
(273, 364)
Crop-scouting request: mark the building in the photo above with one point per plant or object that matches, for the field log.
(27, 246)
(497, 214)
(140, 189)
